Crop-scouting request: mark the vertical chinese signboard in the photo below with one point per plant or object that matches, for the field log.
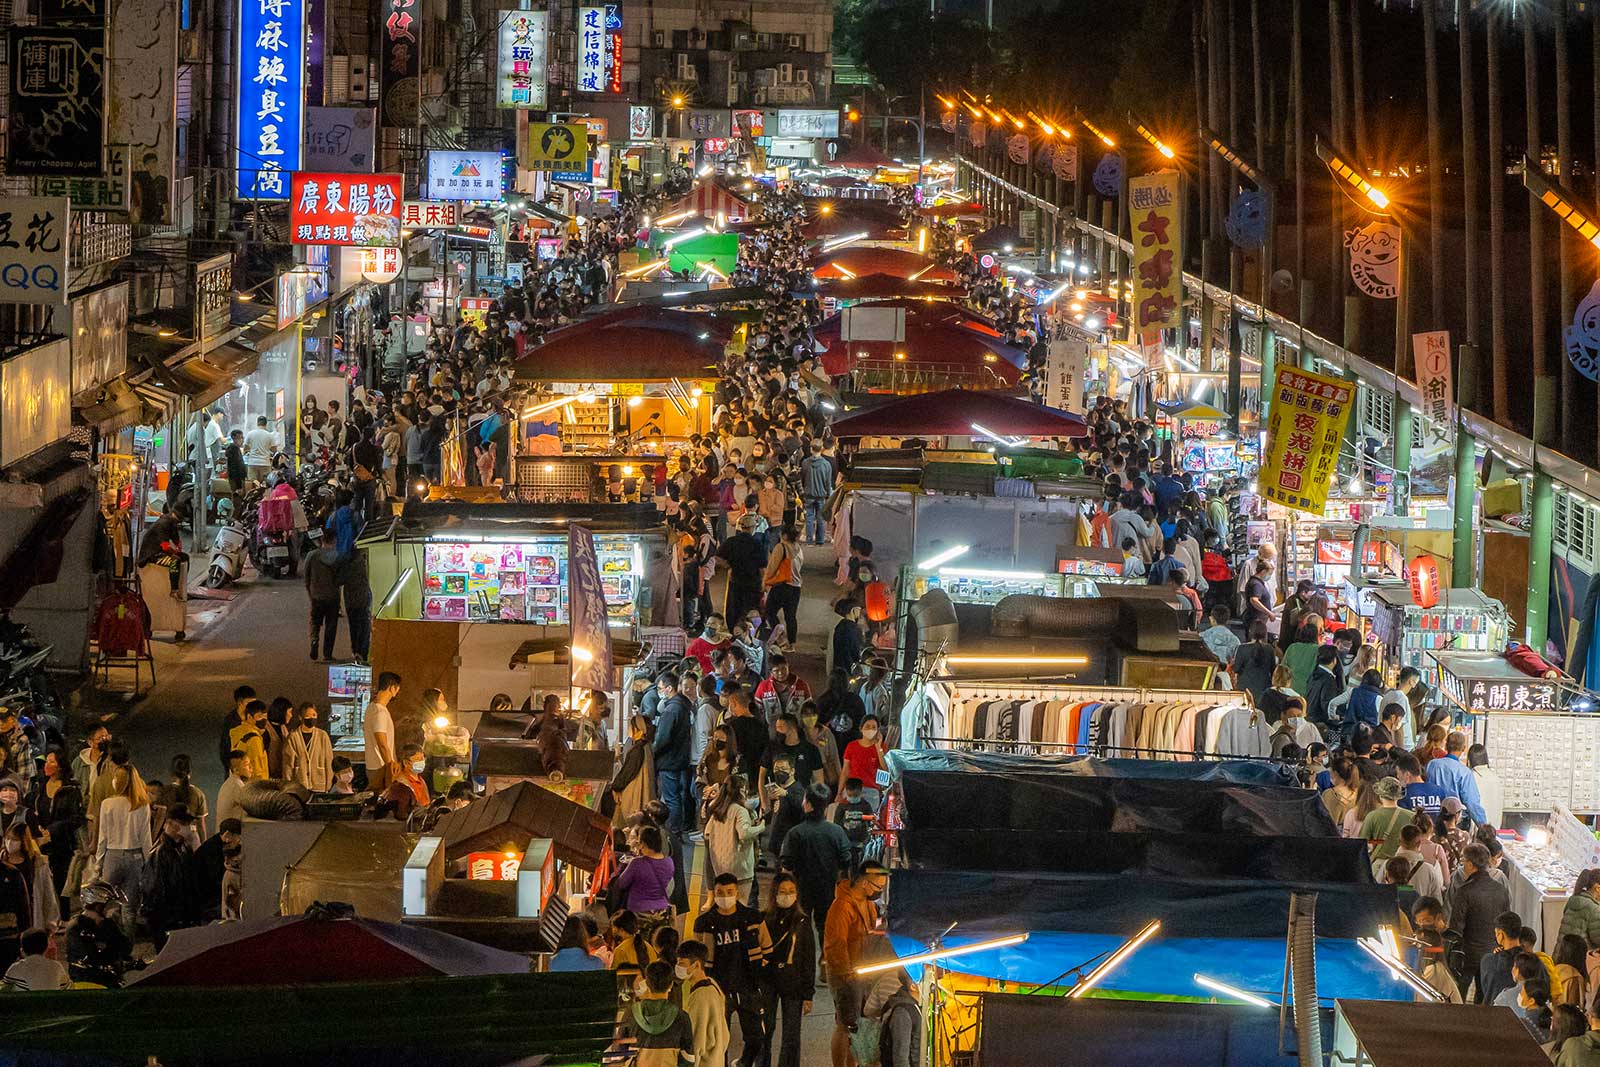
(1309, 412)
(57, 123)
(401, 73)
(520, 76)
(592, 50)
(1432, 353)
(143, 106)
(213, 285)
(614, 48)
(272, 72)
(586, 600)
(1153, 206)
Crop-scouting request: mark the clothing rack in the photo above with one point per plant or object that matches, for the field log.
(1000, 689)
(1064, 748)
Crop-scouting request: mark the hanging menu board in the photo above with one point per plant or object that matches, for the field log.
(520, 581)
(1545, 761)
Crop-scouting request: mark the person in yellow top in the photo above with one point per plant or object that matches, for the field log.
(1529, 938)
(249, 737)
(630, 950)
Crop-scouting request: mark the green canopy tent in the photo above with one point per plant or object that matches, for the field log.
(721, 250)
(562, 1018)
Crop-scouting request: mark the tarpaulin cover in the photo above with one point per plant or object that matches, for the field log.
(291, 949)
(1127, 1033)
(1298, 859)
(923, 903)
(350, 865)
(861, 260)
(1462, 1035)
(1239, 772)
(953, 411)
(1033, 800)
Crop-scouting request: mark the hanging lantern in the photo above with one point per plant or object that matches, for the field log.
(1425, 581)
(877, 602)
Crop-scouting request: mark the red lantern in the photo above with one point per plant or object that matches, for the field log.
(1425, 581)
(877, 597)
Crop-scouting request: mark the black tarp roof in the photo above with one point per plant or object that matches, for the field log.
(1239, 772)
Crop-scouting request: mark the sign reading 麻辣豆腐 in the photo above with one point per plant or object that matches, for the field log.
(454, 175)
(1431, 351)
(271, 118)
(341, 209)
(1304, 430)
(1154, 211)
(57, 121)
(33, 249)
(521, 73)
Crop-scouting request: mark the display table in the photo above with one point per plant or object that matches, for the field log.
(1542, 871)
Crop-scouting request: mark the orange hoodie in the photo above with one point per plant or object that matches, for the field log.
(850, 921)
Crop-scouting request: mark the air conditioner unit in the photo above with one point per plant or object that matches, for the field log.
(794, 40)
(764, 77)
(359, 80)
(658, 38)
(686, 71)
(785, 73)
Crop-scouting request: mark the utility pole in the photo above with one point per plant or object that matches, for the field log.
(1501, 373)
(1564, 174)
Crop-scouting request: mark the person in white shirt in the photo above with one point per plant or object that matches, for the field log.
(35, 970)
(123, 838)
(228, 806)
(259, 444)
(1491, 791)
(377, 731)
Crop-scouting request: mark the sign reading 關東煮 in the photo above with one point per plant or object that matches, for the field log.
(521, 77)
(1154, 209)
(1307, 423)
(342, 209)
(1432, 353)
(272, 73)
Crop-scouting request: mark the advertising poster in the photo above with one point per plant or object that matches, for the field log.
(400, 73)
(57, 119)
(641, 123)
(332, 209)
(99, 337)
(475, 309)
(556, 146)
(144, 101)
(591, 635)
(272, 66)
(1431, 351)
(106, 193)
(35, 400)
(341, 140)
(520, 75)
(1304, 430)
(299, 291)
(213, 296)
(1064, 373)
(454, 175)
(1157, 251)
(33, 250)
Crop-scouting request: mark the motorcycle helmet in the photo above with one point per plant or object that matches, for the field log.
(102, 893)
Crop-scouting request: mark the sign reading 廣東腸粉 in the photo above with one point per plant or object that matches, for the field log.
(1306, 425)
(340, 209)
(33, 250)
(521, 77)
(456, 175)
(272, 65)
(1154, 206)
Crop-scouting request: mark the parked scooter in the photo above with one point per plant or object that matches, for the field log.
(228, 551)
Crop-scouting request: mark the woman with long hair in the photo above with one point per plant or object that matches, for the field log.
(791, 966)
(20, 852)
(184, 792)
(720, 760)
(1571, 959)
(122, 837)
(633, 786)
(57, 806)
(732, 832)
(1342, 797)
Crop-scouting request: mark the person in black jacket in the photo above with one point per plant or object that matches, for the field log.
(674, 724)
(234, 457)
(739, 944)
(1476, 906)
(1323, 686)
(57, 805)
(170, 886)
(746, 556)
(791, 967)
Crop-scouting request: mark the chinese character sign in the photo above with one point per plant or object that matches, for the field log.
(556, 146)
(57, 101)
(400, 58)
(381, 265)
(592, 41)
(1153, 210)
(1432, 354)
(427, 214)
(641, 123)
(1375, 259)
(586, 597)
(521, 73)
(344, 209)
(464, 176)
(1063, 372)
(33, 250)
(614, 62)
(1309, 412)
(272, 72)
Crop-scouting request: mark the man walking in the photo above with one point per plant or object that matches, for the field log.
(850, 921)
(816, 484)
(671, 748)
(322, 588)
(258, 446)
(746, 557)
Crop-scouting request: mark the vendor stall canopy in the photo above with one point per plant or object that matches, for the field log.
(519, 813)
(858, 260)
(637, 345)
(953, 411)
(1462, 1035)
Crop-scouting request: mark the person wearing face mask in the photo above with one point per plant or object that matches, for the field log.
(814, 731)
(633, 786)
(407, 789)
(864, 758)
(783, 801)
(344, 777)
(658, 1028)
(851, 921)
(791, 967)
(706, 1004)
(308, 752)
(250, 736)
(739, 947)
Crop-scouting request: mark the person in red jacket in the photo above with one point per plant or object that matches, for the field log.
(1528, 661)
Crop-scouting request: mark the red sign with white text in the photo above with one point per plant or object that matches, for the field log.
(344, 209)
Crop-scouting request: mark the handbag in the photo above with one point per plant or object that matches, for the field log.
(783, 573)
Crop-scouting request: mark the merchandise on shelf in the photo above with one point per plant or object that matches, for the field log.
(520, 581)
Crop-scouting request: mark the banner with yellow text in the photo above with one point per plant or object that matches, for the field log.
(1304, 431)
(1154, 209)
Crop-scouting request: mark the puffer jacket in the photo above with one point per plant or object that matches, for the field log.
(1582, 917)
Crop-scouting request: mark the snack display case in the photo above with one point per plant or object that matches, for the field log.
(522, 581)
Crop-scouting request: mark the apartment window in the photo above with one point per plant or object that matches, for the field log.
(1574, 530)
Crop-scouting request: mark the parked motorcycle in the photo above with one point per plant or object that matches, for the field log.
(228, 551)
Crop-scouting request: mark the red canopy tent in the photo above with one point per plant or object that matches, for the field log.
(862, 157)
(633, 344)
(953, 412)
(296, 949)
(942, 341)
(709, 197)
(861, 260)
(879, 286)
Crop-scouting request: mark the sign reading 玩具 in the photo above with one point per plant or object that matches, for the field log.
(400, 74)
(592, 44)
(454, 175)
(272, 73)
(340, 209)
(1153, 206)
(1306, 424)
(33, 249)
(35, 400)
(521, 71)
(807, 122)
(57, 122)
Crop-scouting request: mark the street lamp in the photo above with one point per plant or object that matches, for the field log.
(1155, 142)
(1105, 138)
(1345, 172)
(1563, 203)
